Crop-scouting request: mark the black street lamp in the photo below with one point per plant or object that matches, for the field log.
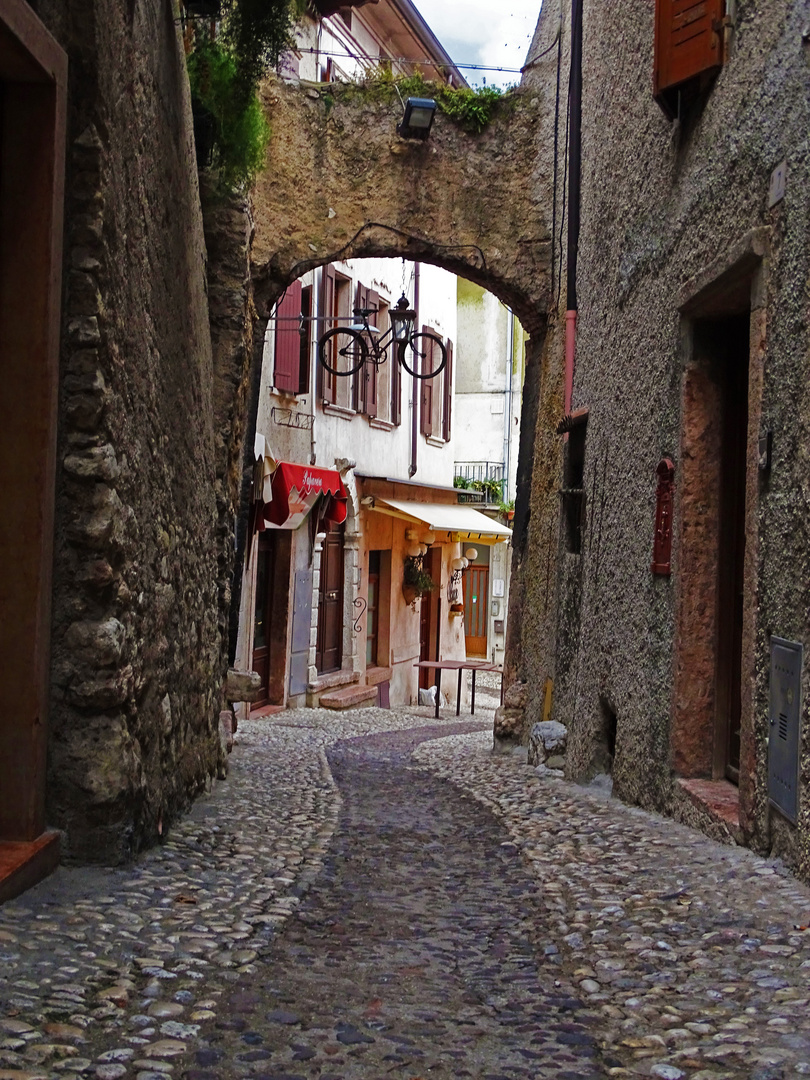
(402, 319)
(418, 118)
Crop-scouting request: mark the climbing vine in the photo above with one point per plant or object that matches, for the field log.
(224, 73)
(472, 109)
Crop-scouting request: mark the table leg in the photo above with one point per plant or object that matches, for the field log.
(472, 705)
(438, 690)
(458, 692)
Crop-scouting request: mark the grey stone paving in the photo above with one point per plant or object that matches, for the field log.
(681, 955)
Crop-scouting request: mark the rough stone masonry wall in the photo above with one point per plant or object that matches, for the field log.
(137, 658)
(661, 200)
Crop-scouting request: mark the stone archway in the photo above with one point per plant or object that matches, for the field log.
(340, 183)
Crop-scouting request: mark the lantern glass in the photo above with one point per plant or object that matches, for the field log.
(402, 320)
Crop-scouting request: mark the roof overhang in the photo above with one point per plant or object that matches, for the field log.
(461, 523)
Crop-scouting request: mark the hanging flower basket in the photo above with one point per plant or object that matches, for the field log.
(456, 609)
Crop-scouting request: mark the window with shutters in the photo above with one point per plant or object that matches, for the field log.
(395, 378)
(305, 335)
(447, 391)
(433, 407)
(335, 309)
(287, 359)
(365, 381)
(689, 49)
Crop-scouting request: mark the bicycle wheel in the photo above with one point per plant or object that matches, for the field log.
(423, 355)
(342, 351)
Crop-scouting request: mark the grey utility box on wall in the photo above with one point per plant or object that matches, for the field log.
(785, 717)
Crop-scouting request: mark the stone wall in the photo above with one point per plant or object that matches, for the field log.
(668, 208)
(137, 655)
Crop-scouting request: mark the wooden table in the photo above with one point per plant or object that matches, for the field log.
(459, 666)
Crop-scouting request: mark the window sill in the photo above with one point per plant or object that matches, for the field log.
(294, 395)
(431, 440)
(381, 425)
(338, 410)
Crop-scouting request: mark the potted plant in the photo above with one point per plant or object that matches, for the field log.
(416, 581)
(507, 510)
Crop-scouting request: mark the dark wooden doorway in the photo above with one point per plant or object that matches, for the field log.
(373, 609)
(734, 334)
(33, 85)
(427, 617)
(262, 615)
(329, 647)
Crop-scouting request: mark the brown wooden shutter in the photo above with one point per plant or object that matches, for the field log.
(688, 40)
(426, 387)
(396, 384)
(326, 311)
(288, 340)
(370, 369)
(448, 391)
(358, 379)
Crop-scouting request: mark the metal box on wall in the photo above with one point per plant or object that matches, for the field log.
(784, 718)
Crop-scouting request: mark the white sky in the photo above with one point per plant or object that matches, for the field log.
(483, 32)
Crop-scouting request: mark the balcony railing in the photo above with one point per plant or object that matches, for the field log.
(479, 470)
(479, 481)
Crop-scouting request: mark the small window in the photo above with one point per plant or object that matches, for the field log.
(689, 48)
(573, 490)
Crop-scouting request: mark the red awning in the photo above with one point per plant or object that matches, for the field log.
(296, 489)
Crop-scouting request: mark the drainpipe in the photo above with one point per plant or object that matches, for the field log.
(574, 197)
(315, 307)
(415, 410)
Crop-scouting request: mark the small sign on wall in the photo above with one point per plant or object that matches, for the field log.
(497, 586)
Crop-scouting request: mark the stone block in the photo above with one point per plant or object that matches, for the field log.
(516, 695)
(98, 644)
(546, 739)
(242, 686)
(226, 729)
(508, 723)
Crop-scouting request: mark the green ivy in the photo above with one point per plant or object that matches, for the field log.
(241, 131)
(225, 76)
(472, 110)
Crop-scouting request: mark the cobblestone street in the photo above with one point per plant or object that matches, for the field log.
(373, 894)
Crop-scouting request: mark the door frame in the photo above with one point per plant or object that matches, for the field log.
(330, 530)
(33, 68)
(733, 283)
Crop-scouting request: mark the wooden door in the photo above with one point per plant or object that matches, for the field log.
(262, 609)
(732, 547)
(476, 593)
(329, 648)
(373, 609)
(427, 619)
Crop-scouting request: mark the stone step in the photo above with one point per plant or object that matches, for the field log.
(348, 697)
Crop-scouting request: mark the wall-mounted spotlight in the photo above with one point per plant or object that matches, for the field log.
(418, 118)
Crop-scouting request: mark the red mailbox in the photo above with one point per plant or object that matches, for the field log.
(662, 545)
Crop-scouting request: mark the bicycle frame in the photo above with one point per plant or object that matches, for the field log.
(377, 346)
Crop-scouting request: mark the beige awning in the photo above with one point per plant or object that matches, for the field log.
(461, 522)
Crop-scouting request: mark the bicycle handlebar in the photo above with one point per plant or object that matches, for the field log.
(364, 312)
